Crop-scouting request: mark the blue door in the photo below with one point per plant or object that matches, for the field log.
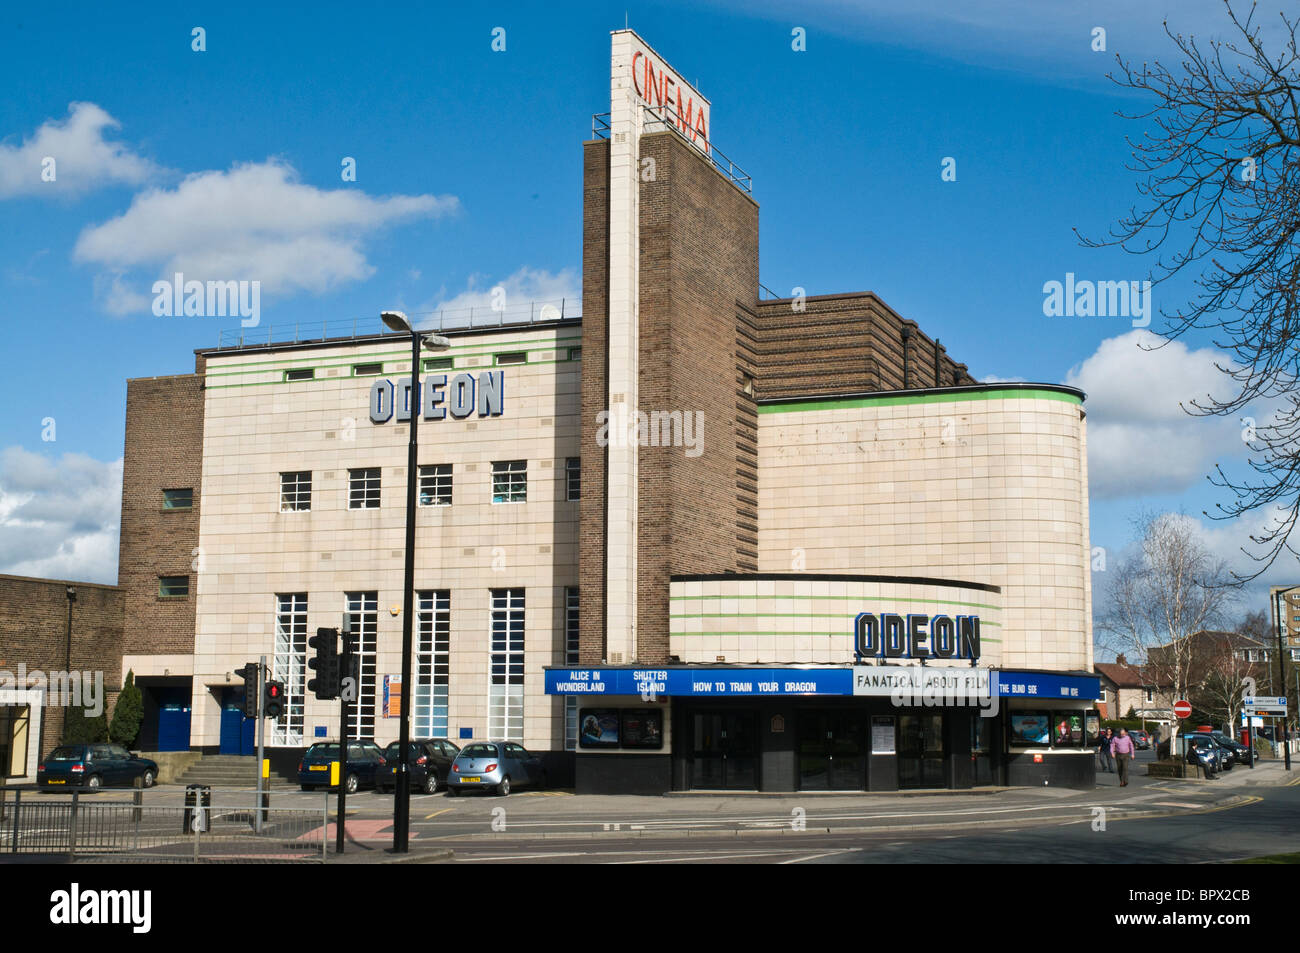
(174, 728)
(232, 730)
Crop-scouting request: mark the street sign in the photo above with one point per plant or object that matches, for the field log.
(1182, 709)
(1264, 704)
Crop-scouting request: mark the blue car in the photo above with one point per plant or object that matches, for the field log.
(94, 767)
(494, 766)
(364, 761)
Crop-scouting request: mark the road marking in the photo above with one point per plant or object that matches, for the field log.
(829, 853)
(445, 810)
(470, 860)
(693, 858)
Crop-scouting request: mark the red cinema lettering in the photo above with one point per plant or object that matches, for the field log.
(652, 91)
(634, 83)
(701, 128)
(684, 123)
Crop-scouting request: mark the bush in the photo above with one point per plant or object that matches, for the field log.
(127, 714)
(80, 729)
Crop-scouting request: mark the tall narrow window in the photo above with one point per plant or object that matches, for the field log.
(289, 666)
(363, 489)
(571, 658)
(433, 664)
(295, 491)
(363, 618)
(573, 478)
(506, 691)
(435, 485)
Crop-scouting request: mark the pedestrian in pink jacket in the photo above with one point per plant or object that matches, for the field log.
(1121, 746)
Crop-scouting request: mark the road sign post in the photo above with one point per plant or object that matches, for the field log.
(261, 738)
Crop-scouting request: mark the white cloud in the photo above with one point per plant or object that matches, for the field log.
(83, 159)
(255, 222)
(1140, 440)
(59, 518)
(514, 295)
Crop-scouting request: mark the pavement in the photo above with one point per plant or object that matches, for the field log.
(535, 824)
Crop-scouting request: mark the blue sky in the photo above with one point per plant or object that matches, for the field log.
(469, 175)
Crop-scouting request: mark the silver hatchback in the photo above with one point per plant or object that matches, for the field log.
(494, 765)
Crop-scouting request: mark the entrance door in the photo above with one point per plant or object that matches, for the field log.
(981, 752)
(725, 752)
(920, 751)
(832, 751)
(236, 731)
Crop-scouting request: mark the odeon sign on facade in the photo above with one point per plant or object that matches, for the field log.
(916, 636)
(461, 397)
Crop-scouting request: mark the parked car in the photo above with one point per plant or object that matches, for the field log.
(1240, 753)
(94, 766)
(1141, 740)
(430, 762)
(364, 761)
(1207, 747)
(494, 765)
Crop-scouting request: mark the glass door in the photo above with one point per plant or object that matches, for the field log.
(920, 751)
(832, 751)
(981, 754)
(725, 755)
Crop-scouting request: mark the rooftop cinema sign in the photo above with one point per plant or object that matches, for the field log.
(460, 397)
(670, 97)
(916, 636)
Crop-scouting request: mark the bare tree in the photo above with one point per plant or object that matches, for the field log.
(1221, 200)
(1169, 590)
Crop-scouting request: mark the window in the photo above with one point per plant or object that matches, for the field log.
(1295, 655)
(571, 658)
(362, 610)
(438, 364)
(435, 485)
(289, 666)
(572, 478)
(300, 374)
(295, 491)
(510, 481)
(15, 733)
(575, 353)
(367, 370)
(1102, 698)
(506, 655)
(363, 489)
(1151, 695)
(432, 663)
(513, 357)
(178, 499)
(172, 586)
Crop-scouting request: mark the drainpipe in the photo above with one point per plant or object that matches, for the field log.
(907, 337)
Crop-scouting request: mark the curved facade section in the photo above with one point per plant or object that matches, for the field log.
(984, 483)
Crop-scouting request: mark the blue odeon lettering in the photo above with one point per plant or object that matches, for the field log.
(890, 635)
(461, 397)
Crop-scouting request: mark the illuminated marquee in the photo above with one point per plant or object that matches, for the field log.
(661, 88)
(890, 635)
(460, 397)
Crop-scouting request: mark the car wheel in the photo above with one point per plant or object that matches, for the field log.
(351, 784)
(147, 779)
(94, 782)
(431, 782)
(454, 792)
(503, 789)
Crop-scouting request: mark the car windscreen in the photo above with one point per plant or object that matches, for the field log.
(323, 751)
(394, 750)
(65, 754)
(478, 751)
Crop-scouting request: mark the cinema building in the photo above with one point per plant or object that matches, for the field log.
(694, 538)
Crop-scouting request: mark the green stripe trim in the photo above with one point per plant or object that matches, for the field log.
(794, 407)
(374, 377)
(778, 615)
(932, 602)
(464, 350)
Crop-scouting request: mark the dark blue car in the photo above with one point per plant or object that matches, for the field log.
(364, 759)
(94, 766)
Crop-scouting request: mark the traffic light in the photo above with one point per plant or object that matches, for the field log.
(273, 702)
(326, 664)
(249, 673)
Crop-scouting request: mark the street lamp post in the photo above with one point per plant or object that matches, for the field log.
(1281, 670)
(397, 321)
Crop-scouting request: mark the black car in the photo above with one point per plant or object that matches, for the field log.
(94, 766)
(365, 760)
(1240, 753)
(1204, 750)
(430, 761)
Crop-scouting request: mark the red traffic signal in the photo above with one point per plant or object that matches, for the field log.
(273, 699)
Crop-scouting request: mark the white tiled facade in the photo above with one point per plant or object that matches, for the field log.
(258, 425)
(986, 486)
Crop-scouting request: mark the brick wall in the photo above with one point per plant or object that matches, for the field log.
(164, 450)
(842, 344)
(34, 629)
(595, 349)
(699, 273)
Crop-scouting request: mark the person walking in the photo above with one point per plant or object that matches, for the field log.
(1103, 750)
(1122, 748)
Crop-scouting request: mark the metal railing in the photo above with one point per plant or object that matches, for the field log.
(653, 121)
(137, 832)
(446, 319)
